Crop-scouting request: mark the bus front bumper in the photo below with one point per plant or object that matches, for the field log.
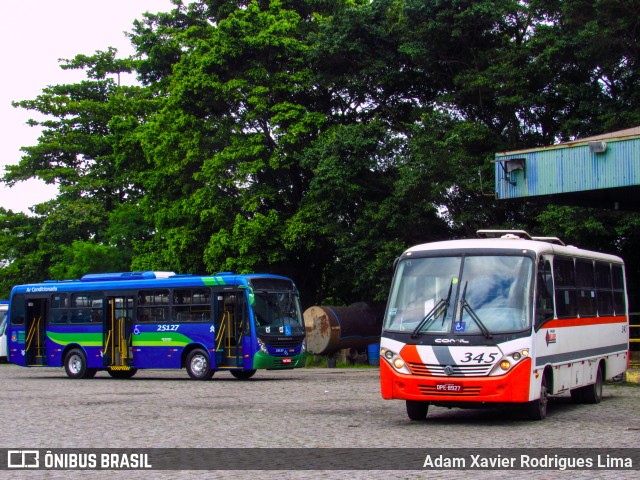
(262, 360)
(512, 387)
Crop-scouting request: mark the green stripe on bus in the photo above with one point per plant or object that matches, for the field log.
(84, 339)
(145, 339)
(160, 339)
(213, 281)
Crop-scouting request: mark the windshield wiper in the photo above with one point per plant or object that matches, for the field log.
(464, 305)
(428, 319)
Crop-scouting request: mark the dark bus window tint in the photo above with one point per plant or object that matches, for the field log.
(544, 295)
(585, 281)
(563, 272)
(605, 302)
(153, 306)
(603, 275)
(619, 303)
(587, 303)
(85, 308)
(59, 309)
(17, 310)
(191, 305)
(617, 277)
(566, 304)
(603, 286)
(565, 287)
(584, 274)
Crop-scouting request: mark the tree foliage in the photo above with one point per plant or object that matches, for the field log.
(317, 139)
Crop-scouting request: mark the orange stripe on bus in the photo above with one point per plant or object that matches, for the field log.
(409, 354)
(580, 322)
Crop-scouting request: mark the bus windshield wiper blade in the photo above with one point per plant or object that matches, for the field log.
(433, 314)
(464, 305)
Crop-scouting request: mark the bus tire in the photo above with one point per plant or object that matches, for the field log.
(122, 373)
(417, 410)
(577, 395)
(199, 365)
(537, 409)
(593, 393)
(243, 374)
(75, 364)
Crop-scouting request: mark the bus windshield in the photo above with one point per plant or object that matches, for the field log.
(278, 313)
(471, 294)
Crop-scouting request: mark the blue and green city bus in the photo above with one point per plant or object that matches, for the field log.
(122, 322)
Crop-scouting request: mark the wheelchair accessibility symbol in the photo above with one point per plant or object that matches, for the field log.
(459, 326)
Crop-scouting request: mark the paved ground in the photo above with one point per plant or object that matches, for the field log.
(322, 408)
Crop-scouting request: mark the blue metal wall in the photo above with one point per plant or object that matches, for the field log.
(570, 167)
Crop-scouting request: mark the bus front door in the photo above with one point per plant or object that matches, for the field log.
(117, 332)
(35, 328)
(229, 328)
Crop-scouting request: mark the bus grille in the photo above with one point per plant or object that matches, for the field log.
(278, 363)
(458, 370)
(431, 390)
(292, 342)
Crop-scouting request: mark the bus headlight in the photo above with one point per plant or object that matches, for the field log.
(262, 346)
(303, 347)
(395, 360)
(505, 365)
(398, 363)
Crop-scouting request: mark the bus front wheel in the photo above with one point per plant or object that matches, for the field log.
(537, 409)
(75, 364)
(417, 410)
(198, 365)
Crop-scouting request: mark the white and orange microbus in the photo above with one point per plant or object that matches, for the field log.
(505, 319)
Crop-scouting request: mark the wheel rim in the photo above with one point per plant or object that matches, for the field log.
(75, 364)
(199, 365)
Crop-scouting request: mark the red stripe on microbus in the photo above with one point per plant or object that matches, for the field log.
(580, 322)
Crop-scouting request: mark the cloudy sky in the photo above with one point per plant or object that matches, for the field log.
(34, 35)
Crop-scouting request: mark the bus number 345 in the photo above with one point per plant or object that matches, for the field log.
(468, 357)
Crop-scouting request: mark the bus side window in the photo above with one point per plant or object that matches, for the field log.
(617, 276)
(17, 310)
(544, 296)
(565, 287)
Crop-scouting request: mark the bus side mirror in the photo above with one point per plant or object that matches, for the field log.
(250, 294)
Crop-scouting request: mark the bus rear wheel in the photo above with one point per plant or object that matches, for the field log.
(243, 374)
(198, 365)
(417, 410)
(122, 373)
(593, 393)
(75, 364)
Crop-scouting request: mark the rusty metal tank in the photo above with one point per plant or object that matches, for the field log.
(333, 328)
